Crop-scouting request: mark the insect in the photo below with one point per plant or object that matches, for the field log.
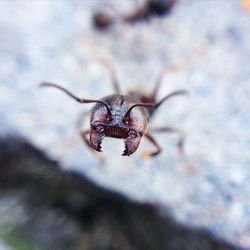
(151, 8)
(103, 20)
(125, 116)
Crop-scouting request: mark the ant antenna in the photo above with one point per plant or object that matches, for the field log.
(148, 105)
(178, 92)
(154, 106)
(81, 100)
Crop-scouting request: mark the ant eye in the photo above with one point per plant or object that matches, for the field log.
(126, 119)
(108, 118)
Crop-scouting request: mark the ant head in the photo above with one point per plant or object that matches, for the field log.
(124, 118)
(117, 116)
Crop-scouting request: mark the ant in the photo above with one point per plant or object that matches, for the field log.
(125, 116)
(102, 20)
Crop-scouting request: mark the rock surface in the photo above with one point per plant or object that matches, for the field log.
(55, 41)
(48, 208)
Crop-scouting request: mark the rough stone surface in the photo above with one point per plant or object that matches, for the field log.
(55, 41)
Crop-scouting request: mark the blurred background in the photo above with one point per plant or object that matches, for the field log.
(63, 42)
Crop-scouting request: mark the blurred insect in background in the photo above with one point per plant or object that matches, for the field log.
(103, 20)
(126, 116)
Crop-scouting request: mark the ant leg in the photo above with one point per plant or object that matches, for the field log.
(166, 70)
(153, 141)
(191, 166)
(175, 93)
(176, 67)
(113, 75)
(181, 140)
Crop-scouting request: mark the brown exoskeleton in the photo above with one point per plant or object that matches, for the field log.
(150, 8)
(125, 116)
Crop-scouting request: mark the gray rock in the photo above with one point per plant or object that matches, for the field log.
(55, 41)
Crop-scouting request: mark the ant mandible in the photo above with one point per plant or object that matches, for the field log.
(126, 116)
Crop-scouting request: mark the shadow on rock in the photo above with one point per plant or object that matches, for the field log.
(55, 209)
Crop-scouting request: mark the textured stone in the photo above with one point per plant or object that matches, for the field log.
(55, 41)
